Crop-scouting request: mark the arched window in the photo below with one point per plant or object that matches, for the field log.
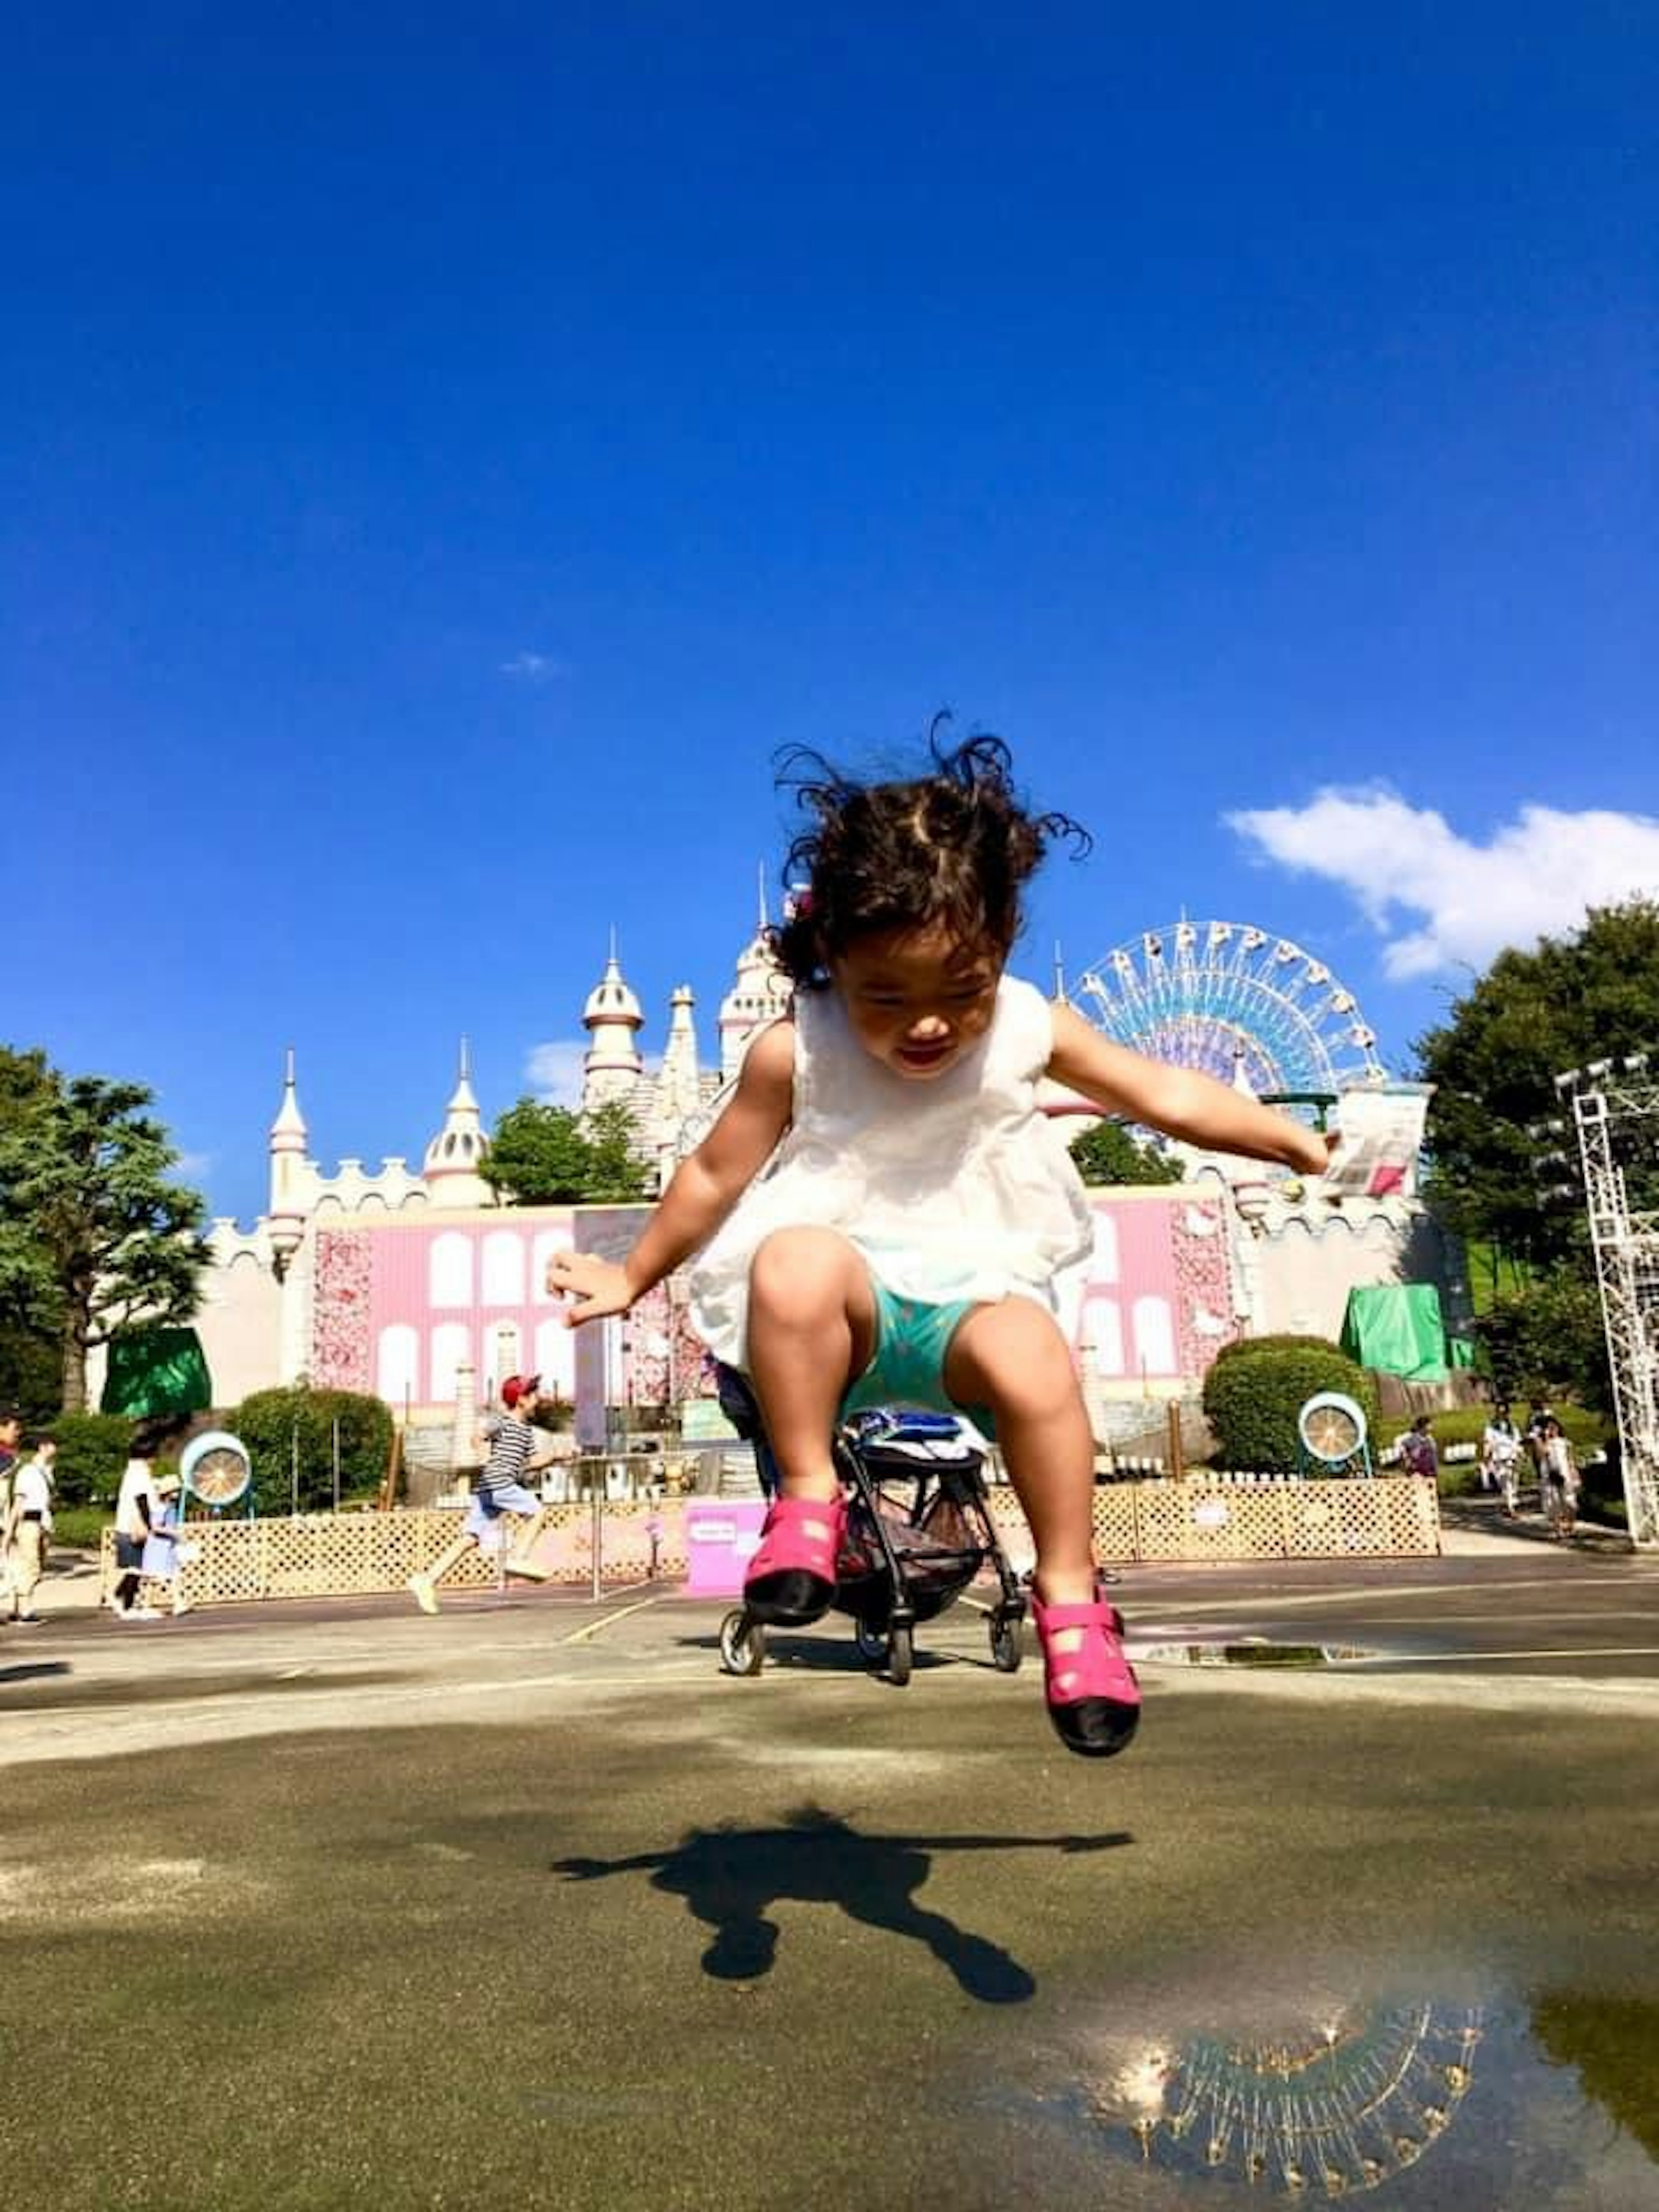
(451, 1343)
(503, 1268)
(547, 1243)
(449, 1270)
(1100, 1336)
(1155, 1343)
(397, 1363)
(555, 1357)
(500, 1359)
(1103, 1265)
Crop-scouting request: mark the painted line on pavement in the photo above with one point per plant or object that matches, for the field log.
(1283, 1601)
(594, 1627)
(1561, 1653)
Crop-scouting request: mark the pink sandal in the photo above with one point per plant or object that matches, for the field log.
(792, 1577)
(1094, 1700)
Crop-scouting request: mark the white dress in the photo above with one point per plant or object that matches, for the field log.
(954, 1189)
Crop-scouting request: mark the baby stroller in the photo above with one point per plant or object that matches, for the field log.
(918, 1529)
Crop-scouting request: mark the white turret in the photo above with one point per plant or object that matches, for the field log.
(679, 1086)
(285, 1222)
(456, 1153)
(760, 992)
(612, 1066)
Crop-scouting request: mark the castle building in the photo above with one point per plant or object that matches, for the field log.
(423, 1288)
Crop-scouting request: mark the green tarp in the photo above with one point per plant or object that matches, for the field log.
(156, 1370)
(1396, 1328)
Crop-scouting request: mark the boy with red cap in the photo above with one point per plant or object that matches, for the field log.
(501, 1493)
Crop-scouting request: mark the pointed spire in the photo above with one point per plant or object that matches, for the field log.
(288, 1131)
(612, 1064)
(1062, 998)
(463, 1101)
(765, 917)
(450, 1166)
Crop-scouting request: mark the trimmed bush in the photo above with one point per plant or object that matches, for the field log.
(278, 1426)
(91, 1450)
(1252, 1399)
(1249, 1347)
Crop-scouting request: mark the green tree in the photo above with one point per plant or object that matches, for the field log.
(1108, 1155)
(1570, 1000)
(1548, 1340)
(30, 1355)
(93, 1232)
(542, 1155)
(615, 1175)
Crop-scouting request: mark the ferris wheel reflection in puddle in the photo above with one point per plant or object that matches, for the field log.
(1332, 2111)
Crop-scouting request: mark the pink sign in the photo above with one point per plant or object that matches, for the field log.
(721, 1536)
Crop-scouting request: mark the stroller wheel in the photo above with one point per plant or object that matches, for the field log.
(1005, 1651)
(743, 1644)
(900, 1650)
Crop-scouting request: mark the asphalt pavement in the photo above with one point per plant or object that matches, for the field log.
(328, 1904)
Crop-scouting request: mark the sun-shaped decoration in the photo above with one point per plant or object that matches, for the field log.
(215, 1467)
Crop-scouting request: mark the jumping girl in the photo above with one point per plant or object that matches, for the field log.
(882, 1205)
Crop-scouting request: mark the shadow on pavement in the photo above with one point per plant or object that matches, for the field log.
(729, 1875)
(822, 1655)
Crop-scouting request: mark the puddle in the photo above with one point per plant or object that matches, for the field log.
(1251, 1651)
(1410, 2101)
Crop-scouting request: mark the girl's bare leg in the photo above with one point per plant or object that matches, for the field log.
(1012, 1358)
(812, 1327)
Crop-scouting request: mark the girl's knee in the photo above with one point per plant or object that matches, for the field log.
(801, 1271)
(1013, 1357)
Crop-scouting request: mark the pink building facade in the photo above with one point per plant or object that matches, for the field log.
(401, 1304)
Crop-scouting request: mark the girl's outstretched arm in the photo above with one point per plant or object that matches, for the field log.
(1179, 1100)
(704, 1188)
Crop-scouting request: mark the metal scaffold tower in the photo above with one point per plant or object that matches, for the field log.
(1616, 1110)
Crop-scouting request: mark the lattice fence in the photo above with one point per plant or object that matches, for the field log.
(1193, 1520)
(359, 1554)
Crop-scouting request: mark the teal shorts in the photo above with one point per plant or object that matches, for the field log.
(907, 1367)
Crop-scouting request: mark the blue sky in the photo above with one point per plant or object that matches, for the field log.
(445, 455)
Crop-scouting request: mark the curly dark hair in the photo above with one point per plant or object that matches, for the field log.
(956, 846)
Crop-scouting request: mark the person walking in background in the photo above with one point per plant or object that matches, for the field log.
(137, 1509)
(500, 1497)
(11, 1428)
(1532, 1438)
(1419, 1453)
(165, 1547)
(27, 1523)
(1500, 1457)
(1558, 1476)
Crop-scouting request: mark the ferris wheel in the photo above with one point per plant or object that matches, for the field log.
(1236, 1002)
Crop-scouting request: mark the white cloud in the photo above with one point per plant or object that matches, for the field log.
(195, 1167)
(532, 667)
(1536, 877)
(553, 1071)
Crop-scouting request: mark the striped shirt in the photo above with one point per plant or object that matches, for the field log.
(511, 1442)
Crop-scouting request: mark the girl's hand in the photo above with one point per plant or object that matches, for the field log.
(590, 1287)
